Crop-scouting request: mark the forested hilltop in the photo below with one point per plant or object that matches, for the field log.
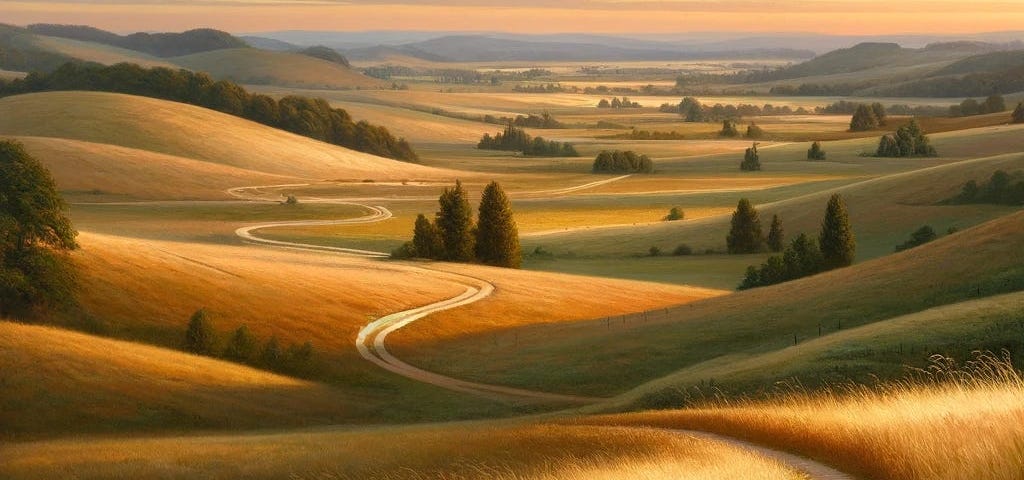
(309, 117)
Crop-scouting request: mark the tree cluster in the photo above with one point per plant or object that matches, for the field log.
(751, 160)
(243, 347)
(625, 102)
(971, 85)
(844, 107)
(619, 161)
(35, 272)
(835, 248)
(815, 152)
(515, 139)
(729, 129)
(452, 236)
(970, 106)
(719, 111)
(539, 88)
(909, 141)
(313, 118)
(544, 120)
(920, 237)
(635, 134)
(868, 117)
(1002, 188)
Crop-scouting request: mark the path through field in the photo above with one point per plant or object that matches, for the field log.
(813, 470)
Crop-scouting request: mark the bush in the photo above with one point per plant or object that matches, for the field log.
(404, 252)
(920, 237)
(1002, 188)
(682, 249)
(675, 214)
(754, 131)
(1018, 113)
(729, 129)
(654, 251)
(291, 200)
(815, 152)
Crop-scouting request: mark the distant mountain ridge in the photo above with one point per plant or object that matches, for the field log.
(157, 44)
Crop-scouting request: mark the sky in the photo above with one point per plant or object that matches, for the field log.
(847, 17)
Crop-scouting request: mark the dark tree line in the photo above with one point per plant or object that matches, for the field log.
(719, 111)
(909, 141)
(243, 347)
(920, 237)
(844, 107)
(309, 117)
(452, 236)
(625, 102)
(835, 248)
(515, 139)
(970, 106)
(619, 161)
(1002, 188)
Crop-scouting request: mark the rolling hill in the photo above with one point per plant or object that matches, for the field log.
(158, 44)
(194, 133)
(97, 53)
(254, 66)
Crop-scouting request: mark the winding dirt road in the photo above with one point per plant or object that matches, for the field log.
(813, 470)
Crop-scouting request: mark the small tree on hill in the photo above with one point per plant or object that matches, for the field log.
(691, 110)
(776, 236)
(604, 103)
(815, 152)
(242, 346)
(497, 237)
(200, 338)
(745, 232)
(729, 129)
(674, 214)
(751, 160)
(1018, 113)
(426, 239)
(837, 241)
(754, 131)
(864, 119)
(455, 223)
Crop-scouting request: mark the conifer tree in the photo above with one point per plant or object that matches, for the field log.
(200, 338)
(242, 346)
(497, 237)
(455, 223)
(745, 232)
(776, 237)
(880, 116)
(837, 241)
(815, 152)
(863, 119)
(751, 160)
(426, 239)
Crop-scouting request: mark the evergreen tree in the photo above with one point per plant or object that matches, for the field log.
(455, 223)
(815, 152)
(754, 131)
(729, 129)
(994, 104)
(271, 356)
(751, 160)
(426, 239)
(887, 147)
(776, 237)
(880, 116)
(200, 338)
(1018, 113)
(242, 347)
(863, 119)
(745, 232)
(837, 241)
(497, 237)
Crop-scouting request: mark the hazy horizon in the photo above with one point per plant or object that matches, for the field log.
(618, 17)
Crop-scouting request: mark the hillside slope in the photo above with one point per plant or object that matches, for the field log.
(253, 66)
(96, 52)
(192, 132)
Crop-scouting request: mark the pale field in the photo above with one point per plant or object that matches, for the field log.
(101, 172)
(9, 75)
(250, 65)
(970, 427)
(417, 126)
(67, 382)
(501, 452)
(99, 53)
(192, 132)
(602, 357)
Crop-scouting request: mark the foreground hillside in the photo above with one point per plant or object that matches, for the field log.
(194, 133)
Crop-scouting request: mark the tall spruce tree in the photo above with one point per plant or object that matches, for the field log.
(751, 160)
(455, 223)
(497, 237)
(745, 233)
(200, 338)
(837, 241)
(426, 239)
(863, 119)
(776, 237)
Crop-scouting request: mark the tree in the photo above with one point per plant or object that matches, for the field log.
(745, 232)
(751, 160)
(497, 237)
(920, 236)
(864, 119)
(887, 147)
(604, 103)
(909, 141)
(994, 104)
(200, 337)
(776, 237)
(454, 220)
(754, 131)
(729, 129)
(880, 116)
(242, 346)
(1018, 113)
(426, 239)
(691, 110)
(271, 356)
(837, 241)
(34, 234)
(674, 214)
(815, 152)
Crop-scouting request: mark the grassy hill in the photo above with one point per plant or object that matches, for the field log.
(96, 52)
(253, 66)
(601, 357)
(68, 382)
(158, 44)
(192, 132)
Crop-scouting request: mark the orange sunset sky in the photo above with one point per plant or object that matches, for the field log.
(531, 16)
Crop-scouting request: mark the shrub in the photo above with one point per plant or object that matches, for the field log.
(909, 141)
(815, 152)
(291, 200)
(920, 237)
(403, 252)
(754, 131)
(654, 251)
(729, 129)
(682, 249)
(674, 214)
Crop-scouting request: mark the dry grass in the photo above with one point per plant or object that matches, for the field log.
(419, 126)
(451, 452)
(251, 65)
(102, 171)
(98, 53)
(192, 132)
(951, 422)
(60, 381)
